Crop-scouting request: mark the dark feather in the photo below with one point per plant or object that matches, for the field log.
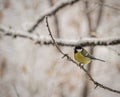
(91, 57)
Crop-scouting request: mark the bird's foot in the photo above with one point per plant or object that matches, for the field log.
(81, 65)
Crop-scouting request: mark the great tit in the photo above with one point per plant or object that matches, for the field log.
(82, 56)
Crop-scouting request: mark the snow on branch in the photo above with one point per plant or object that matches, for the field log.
(52, 11)
(61, 5)
(97, 84)
(61, 42)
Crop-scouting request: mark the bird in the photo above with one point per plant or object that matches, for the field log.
(82, 56)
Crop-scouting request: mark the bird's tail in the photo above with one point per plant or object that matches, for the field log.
(99, 59)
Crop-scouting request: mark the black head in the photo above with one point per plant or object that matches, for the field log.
(77, 48)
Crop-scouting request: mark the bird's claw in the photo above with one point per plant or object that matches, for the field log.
(81, 65)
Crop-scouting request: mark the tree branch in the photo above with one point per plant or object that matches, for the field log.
(17, 94)
(52, 11)
(82, 67)
(61, 42)
(107, 5)
(61, 5)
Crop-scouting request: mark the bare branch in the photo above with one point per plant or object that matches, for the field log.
(61, 5)
(52, 37)
(56, 21)
(103, 4)
(107, 5)
(61, 42)
(82, 67)
(99, 14)
(17, 94)
(52, 11)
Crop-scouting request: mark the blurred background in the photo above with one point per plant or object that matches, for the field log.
(31, 70)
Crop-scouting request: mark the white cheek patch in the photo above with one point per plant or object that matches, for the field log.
(79, 50)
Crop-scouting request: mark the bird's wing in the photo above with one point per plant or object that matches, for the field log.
(92, 57)
(86, 54)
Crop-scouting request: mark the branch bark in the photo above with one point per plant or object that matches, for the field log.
(52, 11)
(97, 84)
(61, 42)
(58, 7)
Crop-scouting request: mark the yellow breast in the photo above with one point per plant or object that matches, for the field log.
(81, 59)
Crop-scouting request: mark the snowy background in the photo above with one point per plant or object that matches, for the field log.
(30, 70)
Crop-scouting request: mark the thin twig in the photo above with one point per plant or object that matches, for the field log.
(100, 12)
(56, 21)
(52, 11)
(58, 7)
(82, 67)
(103, 4)
(109, 6)
(52, 37)
(17, 94)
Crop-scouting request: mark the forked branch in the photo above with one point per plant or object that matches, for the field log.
(97, 84)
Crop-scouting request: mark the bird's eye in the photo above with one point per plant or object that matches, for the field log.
(79, 50)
